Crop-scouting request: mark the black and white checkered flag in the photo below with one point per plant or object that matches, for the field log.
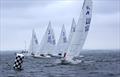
(18, 61)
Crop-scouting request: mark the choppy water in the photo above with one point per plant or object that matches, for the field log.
(102, 64)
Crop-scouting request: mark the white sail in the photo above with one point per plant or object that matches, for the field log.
(62, 42)
(33, 44)
(48, 41)
(72, 30)
(82, 28)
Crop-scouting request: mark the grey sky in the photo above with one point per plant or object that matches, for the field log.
(19, 17)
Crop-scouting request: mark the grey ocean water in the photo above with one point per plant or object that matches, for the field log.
(98, 63)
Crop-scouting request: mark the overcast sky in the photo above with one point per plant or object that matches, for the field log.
(19, 17)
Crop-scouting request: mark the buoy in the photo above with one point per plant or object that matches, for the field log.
(18, 62)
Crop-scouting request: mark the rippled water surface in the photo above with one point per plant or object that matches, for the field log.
(97, 64)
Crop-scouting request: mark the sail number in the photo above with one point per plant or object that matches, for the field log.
(86, 28)
(51, 40)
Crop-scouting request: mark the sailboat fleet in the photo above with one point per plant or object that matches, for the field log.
(66, 48)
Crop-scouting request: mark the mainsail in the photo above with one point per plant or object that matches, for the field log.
(72, 30)
(62, 42)
(33, 44)
(82, 28)
(48, 42)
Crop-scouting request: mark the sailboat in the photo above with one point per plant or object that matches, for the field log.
(79, 36)
(25, 52)
(34, 45)
(72, 31)
(62, 43)
(48, 43)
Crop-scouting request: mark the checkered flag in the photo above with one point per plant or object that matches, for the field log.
(18, 61)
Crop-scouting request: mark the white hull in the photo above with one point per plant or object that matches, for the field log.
(56, 56)
(67, 62)
(42, 57)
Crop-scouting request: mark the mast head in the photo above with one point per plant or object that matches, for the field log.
(86, 2)
(73, 20)
(63, 27)
(49, 25)
(49, 22)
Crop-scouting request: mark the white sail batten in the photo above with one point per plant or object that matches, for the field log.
(82, 28)
(48, 42)
(33, 44)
